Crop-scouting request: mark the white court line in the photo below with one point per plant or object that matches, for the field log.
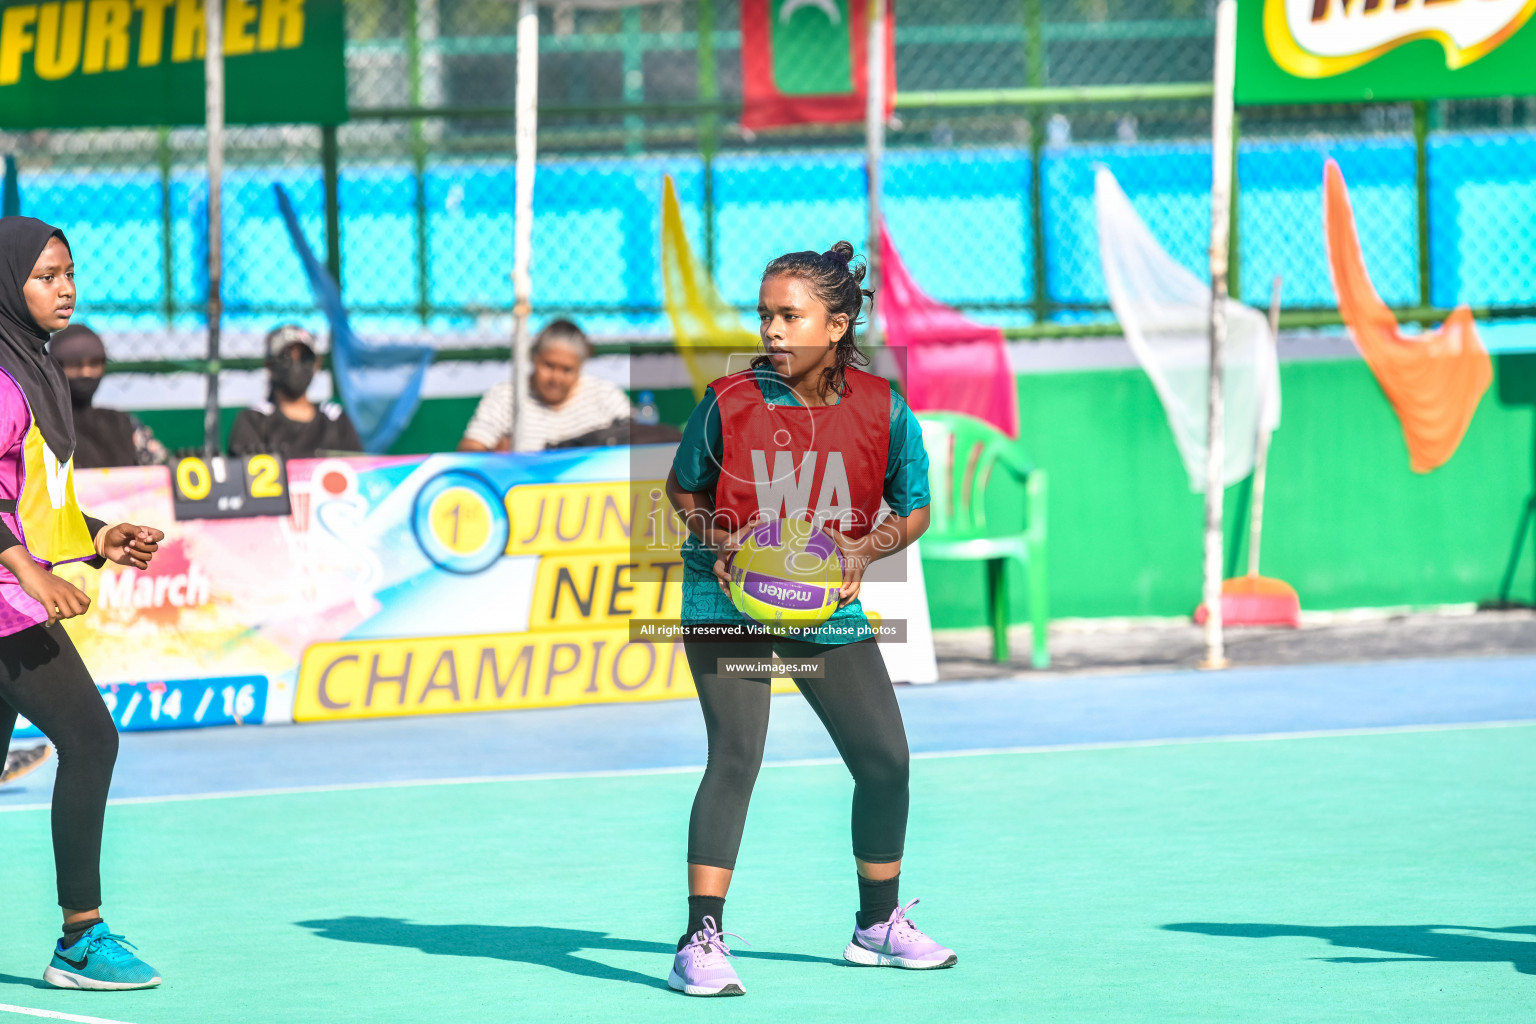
(347, 787)
(808, 762)
(55, 1015)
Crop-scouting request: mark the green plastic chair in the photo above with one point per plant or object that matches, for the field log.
(963, 452)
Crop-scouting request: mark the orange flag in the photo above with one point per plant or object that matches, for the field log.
(1435, 380)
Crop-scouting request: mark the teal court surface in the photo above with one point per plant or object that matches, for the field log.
(1330, 843)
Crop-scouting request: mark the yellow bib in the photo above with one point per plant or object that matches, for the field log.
(52, 525)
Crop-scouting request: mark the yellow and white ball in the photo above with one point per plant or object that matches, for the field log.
(787, 575)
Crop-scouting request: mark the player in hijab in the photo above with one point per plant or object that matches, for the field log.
(41, 526)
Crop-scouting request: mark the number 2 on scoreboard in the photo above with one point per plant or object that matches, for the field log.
(265, 477)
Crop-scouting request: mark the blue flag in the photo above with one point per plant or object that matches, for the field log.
(380, 385)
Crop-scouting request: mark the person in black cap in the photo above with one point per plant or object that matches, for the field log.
(288, 423)
(103, 437)
(42, 675)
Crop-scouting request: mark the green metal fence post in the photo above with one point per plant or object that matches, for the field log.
(1421, 186)
(1034, 72)
(634, 80)
(1234, 234)
(167, 226)
(709, 124)
(330, 160)
(419, 166)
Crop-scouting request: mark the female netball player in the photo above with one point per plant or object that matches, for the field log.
(801, 411)
(41, 526)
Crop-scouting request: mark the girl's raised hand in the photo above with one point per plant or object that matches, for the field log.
(127, 544)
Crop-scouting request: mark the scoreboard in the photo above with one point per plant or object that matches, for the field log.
(228, 487)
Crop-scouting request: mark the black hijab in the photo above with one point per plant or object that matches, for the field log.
(22, 240)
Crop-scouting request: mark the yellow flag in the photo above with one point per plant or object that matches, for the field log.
(710, 336)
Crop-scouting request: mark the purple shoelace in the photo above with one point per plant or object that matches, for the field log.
(711, 935)
(898, 917)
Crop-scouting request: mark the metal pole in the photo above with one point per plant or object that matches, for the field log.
(422, 22)
(1234, 237)
(1034, 70)
(874, 147)
(1421, 187)
(709, 124)
(167, 227)
(634, 80)
(522, 231)
(1221, 227)
(213, 80)
(330, 170)
(11, 204)
(1261, 449)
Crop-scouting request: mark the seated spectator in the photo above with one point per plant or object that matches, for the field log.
(559, 401)
(288, 424)
(103, 437)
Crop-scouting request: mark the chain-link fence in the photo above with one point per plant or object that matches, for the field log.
(988, 176)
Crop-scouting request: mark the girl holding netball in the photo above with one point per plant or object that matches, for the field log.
(802, 409)
(41, 526)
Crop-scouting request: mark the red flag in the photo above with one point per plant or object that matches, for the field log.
(806, 61)
(953, 365)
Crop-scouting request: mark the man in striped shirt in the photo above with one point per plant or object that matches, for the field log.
(559, 402)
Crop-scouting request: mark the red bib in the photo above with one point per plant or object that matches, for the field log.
(826, 464)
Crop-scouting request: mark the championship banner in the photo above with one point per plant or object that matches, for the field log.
(110, 63)
(805, 61)
(1328, 51)
(408, 585)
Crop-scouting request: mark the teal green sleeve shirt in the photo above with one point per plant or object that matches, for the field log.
(697, 462)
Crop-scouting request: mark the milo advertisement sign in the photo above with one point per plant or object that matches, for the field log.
(1312, 51)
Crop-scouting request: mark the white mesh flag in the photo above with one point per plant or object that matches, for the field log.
(1165, 313)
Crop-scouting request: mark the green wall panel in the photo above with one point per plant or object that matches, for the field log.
(1346, 521)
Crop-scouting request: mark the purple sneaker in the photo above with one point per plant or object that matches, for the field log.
(701, 968)
(896, 942)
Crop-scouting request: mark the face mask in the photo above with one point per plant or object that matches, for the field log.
(82, 390)
(293, 378)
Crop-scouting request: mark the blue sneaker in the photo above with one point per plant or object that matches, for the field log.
(99, 960)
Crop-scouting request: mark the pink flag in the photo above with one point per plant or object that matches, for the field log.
(952, 365)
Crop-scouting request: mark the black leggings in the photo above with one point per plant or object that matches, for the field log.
(857, 704)
(43, 678)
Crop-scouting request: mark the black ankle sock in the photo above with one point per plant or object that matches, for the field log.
(74, 929)
(698, 907)
(877, 899)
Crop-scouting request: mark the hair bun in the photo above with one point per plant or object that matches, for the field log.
(842, 252)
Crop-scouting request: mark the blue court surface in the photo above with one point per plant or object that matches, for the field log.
(1311, 843)
(942, 719)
